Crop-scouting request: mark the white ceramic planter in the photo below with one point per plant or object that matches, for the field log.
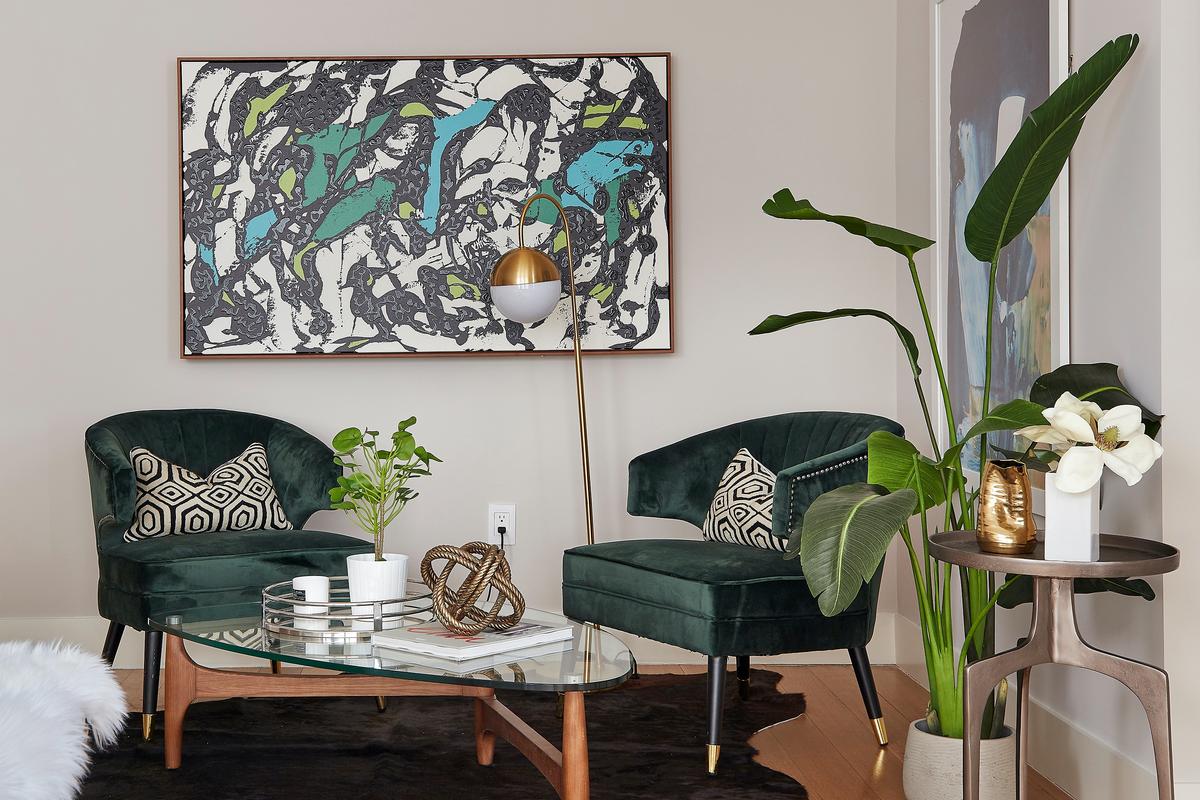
(933, 766)
(1072, 523)
(376, 580)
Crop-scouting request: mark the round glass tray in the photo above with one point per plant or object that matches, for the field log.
(290, 617)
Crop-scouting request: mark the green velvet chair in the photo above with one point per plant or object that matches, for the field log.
(724, 599)
(220, 573)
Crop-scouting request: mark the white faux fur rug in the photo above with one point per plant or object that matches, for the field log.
(48, 691)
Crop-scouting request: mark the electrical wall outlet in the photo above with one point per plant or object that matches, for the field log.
(502, 515)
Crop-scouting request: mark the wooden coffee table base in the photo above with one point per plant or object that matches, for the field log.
(566, 770)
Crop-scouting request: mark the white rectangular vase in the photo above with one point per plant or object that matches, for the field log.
(1072, 523)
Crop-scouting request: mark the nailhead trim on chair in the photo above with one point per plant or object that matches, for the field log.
(822, 471)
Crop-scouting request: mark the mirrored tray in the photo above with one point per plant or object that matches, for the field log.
(289, 617)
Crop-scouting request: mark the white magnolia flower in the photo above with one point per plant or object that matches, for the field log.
(1067, 403)
(1091, 439)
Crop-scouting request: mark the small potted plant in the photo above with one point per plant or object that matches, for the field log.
(373, 492)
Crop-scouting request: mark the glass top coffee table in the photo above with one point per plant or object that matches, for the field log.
(594, 660)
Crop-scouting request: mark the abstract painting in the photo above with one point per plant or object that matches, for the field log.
(997, 60)
(357, 206)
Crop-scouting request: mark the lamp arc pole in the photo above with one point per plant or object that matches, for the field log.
(524, 271)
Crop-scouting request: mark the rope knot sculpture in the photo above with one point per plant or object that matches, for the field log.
(486, 567)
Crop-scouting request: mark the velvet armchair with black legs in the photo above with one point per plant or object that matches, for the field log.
(222, 573)
(724, 599)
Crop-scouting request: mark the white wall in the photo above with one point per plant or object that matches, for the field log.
(1180, 285)
(782, 94)
(1082, 721)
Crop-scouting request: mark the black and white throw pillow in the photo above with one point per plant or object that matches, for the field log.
(741, 510)
(237, 496)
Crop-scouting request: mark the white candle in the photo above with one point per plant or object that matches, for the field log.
(314, 588)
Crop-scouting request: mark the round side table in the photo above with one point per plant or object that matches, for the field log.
(1054, 639)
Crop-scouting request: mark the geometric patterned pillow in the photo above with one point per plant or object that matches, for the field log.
(237, 496)
(741, 510)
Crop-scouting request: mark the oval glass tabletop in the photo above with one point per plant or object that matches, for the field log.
(592, 660)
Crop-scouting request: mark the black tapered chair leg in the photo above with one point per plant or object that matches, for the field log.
(866, 685)
(112, 640)
(743, 676)
(716, 697)
(150, 669)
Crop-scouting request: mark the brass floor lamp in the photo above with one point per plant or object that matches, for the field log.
(526, 286)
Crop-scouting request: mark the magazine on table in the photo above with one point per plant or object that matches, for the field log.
(473, 665)
(431, 638)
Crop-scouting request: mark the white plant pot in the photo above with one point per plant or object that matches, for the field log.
(376, 580)
(1072, 523)
(933, 766)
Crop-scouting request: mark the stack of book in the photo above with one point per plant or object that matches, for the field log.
(430, 644)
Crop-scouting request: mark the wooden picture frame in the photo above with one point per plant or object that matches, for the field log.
(410, 272)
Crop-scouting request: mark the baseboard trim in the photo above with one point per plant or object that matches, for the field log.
(1064, 753)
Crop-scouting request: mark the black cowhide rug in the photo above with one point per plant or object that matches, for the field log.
(646, 740)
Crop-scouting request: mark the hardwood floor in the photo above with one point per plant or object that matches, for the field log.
(830, 748)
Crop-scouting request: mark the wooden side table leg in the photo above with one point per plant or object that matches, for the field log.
(180, 691)
(575, 781)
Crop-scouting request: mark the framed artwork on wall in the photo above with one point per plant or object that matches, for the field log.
(355, 206)
(994, 61)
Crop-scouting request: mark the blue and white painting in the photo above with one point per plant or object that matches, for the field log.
(358, 206)
(995, 58)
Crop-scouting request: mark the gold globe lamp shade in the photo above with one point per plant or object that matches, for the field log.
(526, 285)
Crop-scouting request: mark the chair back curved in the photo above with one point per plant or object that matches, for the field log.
(810, 452)
(302, 467)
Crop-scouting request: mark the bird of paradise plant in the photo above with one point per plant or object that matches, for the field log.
(846, 532)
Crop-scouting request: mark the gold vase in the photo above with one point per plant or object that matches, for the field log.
(1006, 509)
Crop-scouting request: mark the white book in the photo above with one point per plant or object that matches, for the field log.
(473, 665)
(431, 638)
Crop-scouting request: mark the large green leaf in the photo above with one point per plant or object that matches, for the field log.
(1007, 417)
(845, 535)
(785, 206)
(1020, 591)
(894, 463)
(1023, 178)
(776, 322)
(1099, 383)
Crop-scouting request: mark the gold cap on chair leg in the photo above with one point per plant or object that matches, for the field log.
(381, 703)
(147, 726)
(714, 753)
(880, 731)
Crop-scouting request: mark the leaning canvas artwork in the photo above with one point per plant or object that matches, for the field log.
(997, 61)
(356, 207)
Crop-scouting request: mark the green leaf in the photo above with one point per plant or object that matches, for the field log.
(1020, 591)
(775, 322)
(1099, 383)
(1010, 416)
(845, 535)
(343, 506)
(346, 440)
(1024, 176)
(337, 493)
(405, 446)
(785, 206)
(894, 463)
(1040, 461)
(405, 424)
